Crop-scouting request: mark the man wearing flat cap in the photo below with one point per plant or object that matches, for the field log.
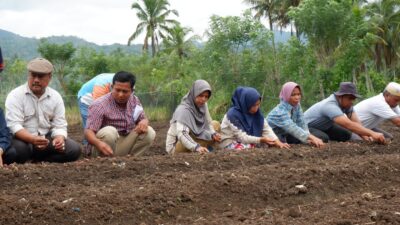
(35, 115)
(335, 119)
(384, 106)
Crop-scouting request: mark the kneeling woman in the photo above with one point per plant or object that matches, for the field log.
(287, 119)
(191, 128)
(244, 126)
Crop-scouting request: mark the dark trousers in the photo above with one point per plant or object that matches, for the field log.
(287, 138)
(334, 133)
(9, 156)
(26, 151)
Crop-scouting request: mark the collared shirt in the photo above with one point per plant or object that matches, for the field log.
(106, 112)
(286, 119)
(321, 114)
(39, 116)
(373, 111)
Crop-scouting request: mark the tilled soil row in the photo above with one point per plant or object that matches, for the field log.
(346, 183)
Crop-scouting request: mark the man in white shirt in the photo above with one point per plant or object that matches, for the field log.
(35, 115)
(373, 111)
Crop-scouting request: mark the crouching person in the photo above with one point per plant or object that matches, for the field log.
(244, 126)
(35, 114)
(191, 127)
(117, 124)
(8, 154)
(287, 120)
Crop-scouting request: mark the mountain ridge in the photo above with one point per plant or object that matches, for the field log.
(17, 46)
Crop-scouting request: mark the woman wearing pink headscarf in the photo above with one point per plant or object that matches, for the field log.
(287, 120)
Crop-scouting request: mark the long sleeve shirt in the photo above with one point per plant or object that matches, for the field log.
(39, 116)
(5, 139)
(180, 132)
(106, 112)
(286, 119)
(231, 133)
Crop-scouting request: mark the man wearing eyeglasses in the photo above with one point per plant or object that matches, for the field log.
(35, 115)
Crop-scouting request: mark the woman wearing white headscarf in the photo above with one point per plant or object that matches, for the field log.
(191, 128)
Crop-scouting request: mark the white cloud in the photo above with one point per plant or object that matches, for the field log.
(101, 21)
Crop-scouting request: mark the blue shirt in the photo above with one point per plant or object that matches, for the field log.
(321, 114)
(5, 135)
(99, 80)
(285, 119)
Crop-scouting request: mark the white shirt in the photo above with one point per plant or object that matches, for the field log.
(38, 116)
(231, 133)
(373, 111)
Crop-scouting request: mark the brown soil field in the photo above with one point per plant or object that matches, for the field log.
(343, 184)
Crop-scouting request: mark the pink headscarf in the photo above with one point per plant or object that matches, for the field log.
(287, 90)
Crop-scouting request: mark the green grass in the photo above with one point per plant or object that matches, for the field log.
(158, 113)
(72, 115)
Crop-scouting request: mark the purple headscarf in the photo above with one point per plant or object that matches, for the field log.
(286, 91)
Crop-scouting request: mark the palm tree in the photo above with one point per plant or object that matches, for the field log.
(177, 41)
(153, 18)
(283, 19)
(267, 8)
(384, 17)
(264, 8)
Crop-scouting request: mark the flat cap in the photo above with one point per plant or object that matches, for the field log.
(40, 65)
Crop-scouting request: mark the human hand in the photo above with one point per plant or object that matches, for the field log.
(367, 138)
(267, 141)
(201, 150)
(379, 137)
(59, 143)
(279, 144)
(105, 149)
(216, 137)
(316, 141)
(141, 127)
(40, 142)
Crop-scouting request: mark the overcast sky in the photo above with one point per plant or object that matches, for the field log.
(101, 21)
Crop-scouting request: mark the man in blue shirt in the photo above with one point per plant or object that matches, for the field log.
(335, 119)
(1, 62)
(7, 152)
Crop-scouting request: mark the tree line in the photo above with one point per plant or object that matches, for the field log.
(332, 41)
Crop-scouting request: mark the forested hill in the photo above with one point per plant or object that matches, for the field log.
(14, 45)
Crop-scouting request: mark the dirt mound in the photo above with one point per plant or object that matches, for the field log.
(345, 183)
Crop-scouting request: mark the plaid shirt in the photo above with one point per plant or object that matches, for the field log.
(106, 112)
(286, 119)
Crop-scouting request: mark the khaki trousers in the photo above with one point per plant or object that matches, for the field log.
(180, 148)
(132, 144)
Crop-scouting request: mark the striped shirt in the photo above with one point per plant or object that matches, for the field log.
(106, 112)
